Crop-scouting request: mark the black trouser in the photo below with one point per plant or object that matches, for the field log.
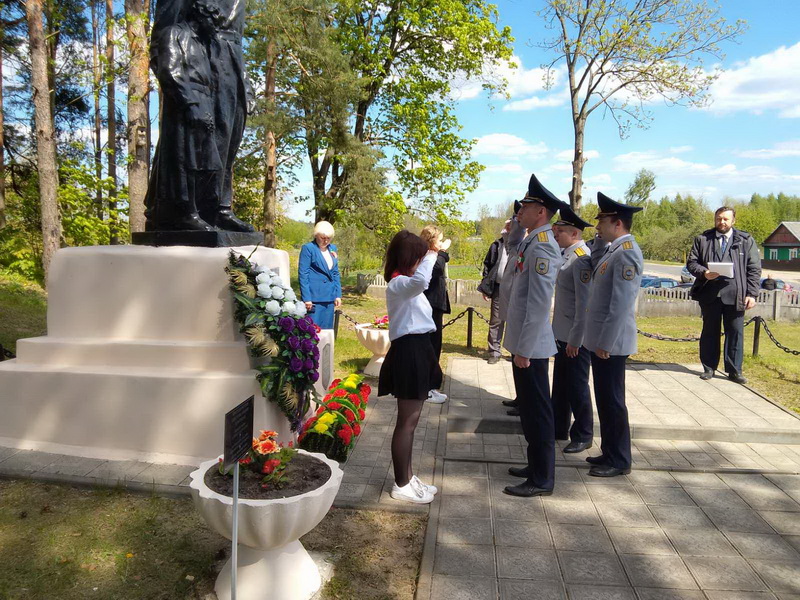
(536, 414)
(608, 376)
(733, 322)
(436, 336)
(571, 395)
(496, 325)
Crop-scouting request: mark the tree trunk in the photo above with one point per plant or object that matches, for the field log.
(2, 149)
(578, 160)
(98, 123)
(113, 216)
(45, 135)
(270, 174)
(138, 122)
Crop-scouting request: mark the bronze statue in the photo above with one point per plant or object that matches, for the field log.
(196, 56)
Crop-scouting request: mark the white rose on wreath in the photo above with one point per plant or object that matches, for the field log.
(289, 307)
(276, 280)
(290, 295)
(277, 292)
(263, 278)
(273, 308)
(300, 309)
(264, 290)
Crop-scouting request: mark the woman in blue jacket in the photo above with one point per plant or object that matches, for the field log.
(318, 271)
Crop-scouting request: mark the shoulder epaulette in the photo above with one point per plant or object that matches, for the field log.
(627, 245)
(580, 252)
(542, 236)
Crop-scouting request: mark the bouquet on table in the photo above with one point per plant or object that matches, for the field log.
(337, 422)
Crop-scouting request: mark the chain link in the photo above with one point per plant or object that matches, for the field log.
(481, 317)
(348, 317)
(453, 320)
(774, 341)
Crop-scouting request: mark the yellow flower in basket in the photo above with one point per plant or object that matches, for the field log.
(320, 427)
(326, 419)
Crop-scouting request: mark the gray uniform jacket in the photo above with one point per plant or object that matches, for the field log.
(572, 293)
(610, 314)
(514, 238)
(528, 330)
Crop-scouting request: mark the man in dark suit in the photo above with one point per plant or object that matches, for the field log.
(724, 298)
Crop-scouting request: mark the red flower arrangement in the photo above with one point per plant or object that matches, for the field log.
(267, 457)
(337, 422)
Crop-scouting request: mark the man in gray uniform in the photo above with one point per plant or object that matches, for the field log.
(571, 368)
(529, 338)
(610, 333)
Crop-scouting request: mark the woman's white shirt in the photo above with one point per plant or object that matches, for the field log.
(408, 308)
(326, 254)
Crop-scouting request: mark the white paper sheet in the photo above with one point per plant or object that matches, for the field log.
(725, 269)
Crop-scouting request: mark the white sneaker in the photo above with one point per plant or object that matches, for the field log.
(425, 486)
(411, 493)
(436, 397)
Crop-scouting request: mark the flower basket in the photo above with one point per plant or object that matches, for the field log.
(337, 422)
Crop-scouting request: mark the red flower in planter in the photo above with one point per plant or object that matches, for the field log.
(345, 433)
(366, 390)
(334, 383)
(270, 466)
(340, 393)
(361, 414)
(357, 429)
(355, 399)
(349, 415)
(327, 398)
(333, 405)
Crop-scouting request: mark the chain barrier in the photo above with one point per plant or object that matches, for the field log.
(454, 319)
(348, 317)
(774, 341)
(481, 317)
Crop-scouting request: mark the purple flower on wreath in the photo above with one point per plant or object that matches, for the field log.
(307, 345)
(316, 337)
(313, 376)
(294, 342)
(302, 325)
(309, 364)
(286, 323)
(315, 352)
(295, 364)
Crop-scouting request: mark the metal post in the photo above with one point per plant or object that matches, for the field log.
(756, 336)
(470, 310)
(336, 314)
(235, 536)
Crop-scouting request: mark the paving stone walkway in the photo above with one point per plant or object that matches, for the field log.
(711, 510)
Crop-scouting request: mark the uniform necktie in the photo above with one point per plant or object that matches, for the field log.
(722, 245)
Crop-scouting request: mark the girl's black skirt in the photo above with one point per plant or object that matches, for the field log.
(410, 369)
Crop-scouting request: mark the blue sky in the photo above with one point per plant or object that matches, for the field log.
(746, 141)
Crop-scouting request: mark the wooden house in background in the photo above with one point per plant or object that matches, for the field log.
(782, 247)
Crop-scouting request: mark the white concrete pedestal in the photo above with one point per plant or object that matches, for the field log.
(142, 357)
(377, 342)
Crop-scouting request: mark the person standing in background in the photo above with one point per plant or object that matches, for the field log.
(571, 369)
(436, 293)
(494, 266)
(318, 272)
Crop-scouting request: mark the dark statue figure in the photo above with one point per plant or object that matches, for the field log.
(196, 55)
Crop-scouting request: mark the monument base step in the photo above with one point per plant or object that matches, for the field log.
(205, 239)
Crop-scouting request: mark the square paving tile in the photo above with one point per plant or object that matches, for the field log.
(640, 540)
(465, 531)
(525, 534)
(567, 475)
(463, 588)
(511, 507)
(700, 542)
(738, 519)
(600, 592)
(577, 513)
(465, 507)
(618, 494)
(464, 469)
(761, 546)
(527, 563)
(768, 499)
(783, 577)
(723, 573)
(626, 515)
(681, 517)
(459, 485)
(457, 559)
(665, 594)
(658, 572)
(729, 595)
(783, 522)
(522, 589)
(570, 492)
(581, 538)
(592, 569)
(699, 480)
(669, 496)
(715, 497)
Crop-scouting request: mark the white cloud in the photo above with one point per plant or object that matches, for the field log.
(505, 145)
(680, 149)
(770, 82)
(568, 155)
(535, 102)
(520, 82)
(779, 150)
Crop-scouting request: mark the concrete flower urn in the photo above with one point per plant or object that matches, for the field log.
(376, 341)
(272, 561)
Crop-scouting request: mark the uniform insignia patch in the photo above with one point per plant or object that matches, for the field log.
(586, 275)
(628, 272)
(627, 245)
(603, 268)
(542, 236)
(542, 265)
(580, 252)
(520, 261)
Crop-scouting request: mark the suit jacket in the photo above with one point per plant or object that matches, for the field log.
(491, 262)
(742, 252)
(513, 241)
(611, 311)
(528, 330)
(437, 288)
(318, 283)
(572, 293)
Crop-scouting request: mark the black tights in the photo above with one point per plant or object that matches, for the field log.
(408, 412)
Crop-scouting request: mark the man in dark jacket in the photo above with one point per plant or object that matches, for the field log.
(494, 265)
(724, 298)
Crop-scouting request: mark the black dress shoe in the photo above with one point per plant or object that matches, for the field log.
(707, 374)
(190, 222)
(574, 447)
(596, 460)
(514, 412)
(227, 221)
(526, 489)
(493, 360)
(737, 378)
(519, 472)
(607, 471)
(511, 403)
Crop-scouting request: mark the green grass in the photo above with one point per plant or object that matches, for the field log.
(23, 310)
(67, 543)
(464, 272)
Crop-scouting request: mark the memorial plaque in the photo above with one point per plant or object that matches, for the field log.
(238, 432)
